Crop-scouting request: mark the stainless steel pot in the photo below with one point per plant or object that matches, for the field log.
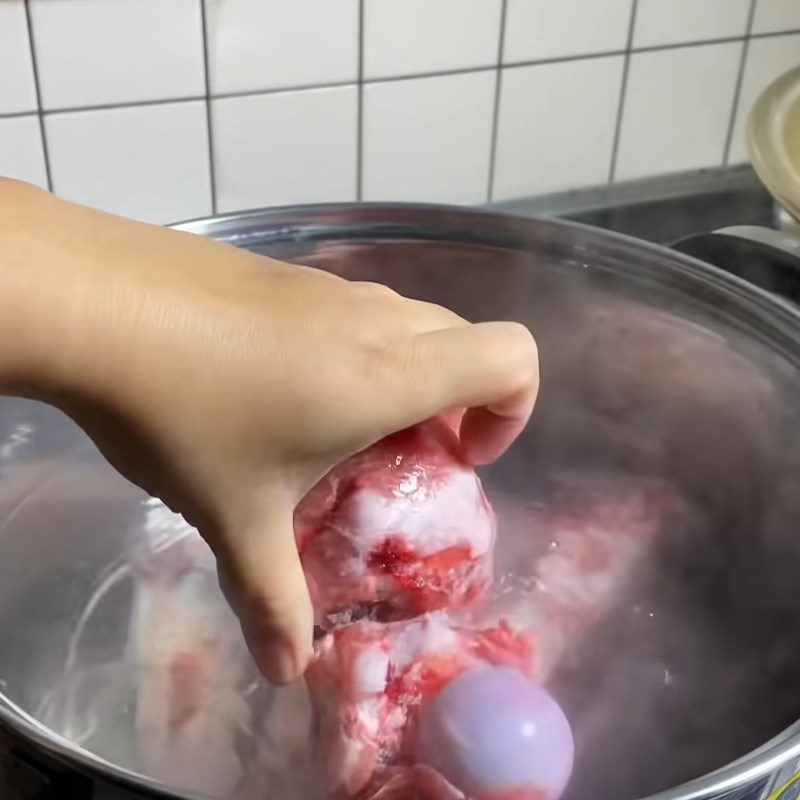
(653, 363)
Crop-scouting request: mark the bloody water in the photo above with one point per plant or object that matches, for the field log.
(689, 667)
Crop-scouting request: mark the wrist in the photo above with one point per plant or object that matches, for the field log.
(24, 332)
(45, 274)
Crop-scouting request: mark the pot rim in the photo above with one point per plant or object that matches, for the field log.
(283, 223)
(781, 317)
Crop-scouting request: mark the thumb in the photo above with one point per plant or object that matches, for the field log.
(490, 369)
(261, 576)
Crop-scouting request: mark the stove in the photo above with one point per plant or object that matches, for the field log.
(664, 209)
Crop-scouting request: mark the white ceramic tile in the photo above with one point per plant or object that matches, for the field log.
(674, 21)
(677, 109)
(538, 29)
(776, 15)
(428, 139)
(767, 59)
(146, 162)
(17, 91)
(403, 37)
(21, 153)
(92, 52)
(287, 147)
(274, 44)
(556, 127)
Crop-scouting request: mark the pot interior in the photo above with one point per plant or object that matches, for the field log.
(653, 374)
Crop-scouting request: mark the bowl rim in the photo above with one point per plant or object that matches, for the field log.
(766, 140)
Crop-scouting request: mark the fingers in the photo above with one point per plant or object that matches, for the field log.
(487, 432)
(261, 576)
(491, 369)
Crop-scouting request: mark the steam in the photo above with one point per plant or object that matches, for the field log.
(694, 663)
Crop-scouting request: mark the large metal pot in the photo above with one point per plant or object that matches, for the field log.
(652, 363)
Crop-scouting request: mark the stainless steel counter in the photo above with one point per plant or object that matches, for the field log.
(662, 209)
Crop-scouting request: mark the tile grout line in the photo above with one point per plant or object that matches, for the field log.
(393, 78)
(498, 81)
(623, 90)
(212, 178)
(38, 91)
(17, 114)
(116, 106)
(360, 107)
(302, 87)
(435, 74)
(738, 88)
(657, 48)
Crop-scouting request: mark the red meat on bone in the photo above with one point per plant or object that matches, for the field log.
(397, 546)
(397, 530)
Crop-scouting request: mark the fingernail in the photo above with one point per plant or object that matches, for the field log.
(278, 662)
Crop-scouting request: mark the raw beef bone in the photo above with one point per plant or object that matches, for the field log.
(380, 692)
(186, 645)
(397, 546)
(397, 530)
(593, 535)
(387, 695)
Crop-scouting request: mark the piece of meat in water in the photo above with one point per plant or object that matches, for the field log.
(401, 530)
(590, 540)
(205, 721)
(370, 684)
(397, 530)
(573, 559)
(373, 684)
(185, 643)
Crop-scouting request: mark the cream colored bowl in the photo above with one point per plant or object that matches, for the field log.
(773, 139)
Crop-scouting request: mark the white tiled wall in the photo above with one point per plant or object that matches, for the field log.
(169, 109)
(541, 29)
(17, 87)
(428, 138)
(676, 21)
(286, 147)
(148, 161)
(117, 51)
(542, 142)
(398, 42)
(255, 45)
(677, 110)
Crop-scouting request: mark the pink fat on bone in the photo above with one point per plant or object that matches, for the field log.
(398, 530)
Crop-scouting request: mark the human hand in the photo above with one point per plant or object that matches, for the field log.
(227, 384)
